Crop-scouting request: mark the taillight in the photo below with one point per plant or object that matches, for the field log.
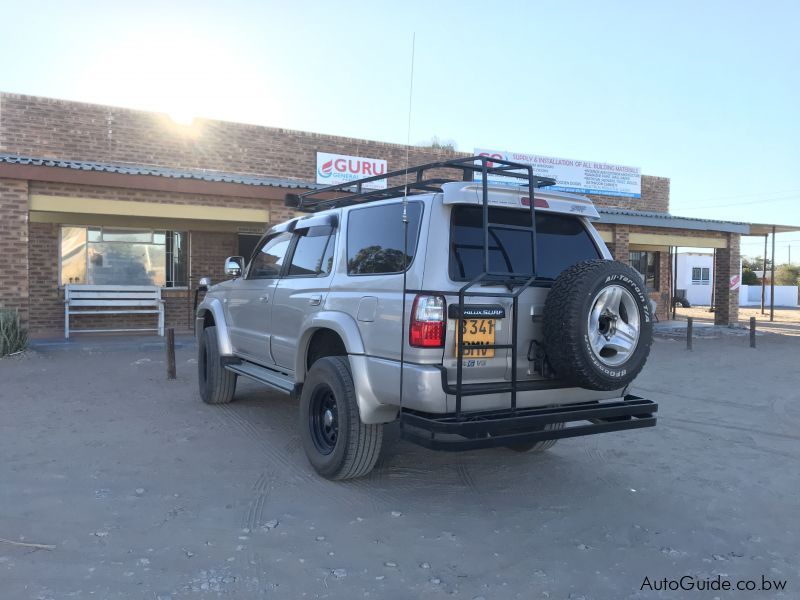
(428, 321)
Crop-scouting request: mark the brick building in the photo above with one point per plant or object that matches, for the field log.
(75, 176)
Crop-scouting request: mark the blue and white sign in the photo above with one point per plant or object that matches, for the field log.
(579, 176)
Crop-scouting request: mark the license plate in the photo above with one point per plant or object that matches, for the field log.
(478, 332)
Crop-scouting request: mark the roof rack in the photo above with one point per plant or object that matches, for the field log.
(353, 192)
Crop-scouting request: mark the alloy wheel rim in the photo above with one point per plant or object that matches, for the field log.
(613, 325)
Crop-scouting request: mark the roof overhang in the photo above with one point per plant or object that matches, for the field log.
(668, 221)
(152, 178)
(766, 228)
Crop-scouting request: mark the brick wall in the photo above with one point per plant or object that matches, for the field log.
(726, 265)
(14, 245)
(48, 127)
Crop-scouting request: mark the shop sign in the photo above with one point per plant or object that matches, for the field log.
(580, 176)
(334, 169)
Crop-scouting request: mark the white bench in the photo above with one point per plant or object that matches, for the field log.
(113, 300)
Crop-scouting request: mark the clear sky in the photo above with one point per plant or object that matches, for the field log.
(705, 93)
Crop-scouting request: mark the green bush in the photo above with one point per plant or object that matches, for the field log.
(749, 278)
(13, 336)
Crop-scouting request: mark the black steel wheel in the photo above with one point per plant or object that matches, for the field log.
(337, 443)
(324, 420)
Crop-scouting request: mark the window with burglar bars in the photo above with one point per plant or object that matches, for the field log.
(117, 256)
(647, 263)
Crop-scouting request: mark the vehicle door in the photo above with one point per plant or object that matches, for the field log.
(249, 302)
(305, 284)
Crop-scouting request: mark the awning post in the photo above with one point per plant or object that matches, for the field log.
(764, 276)
(772, 280)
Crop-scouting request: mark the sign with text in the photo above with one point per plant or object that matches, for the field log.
(333, 169)
(580, 176)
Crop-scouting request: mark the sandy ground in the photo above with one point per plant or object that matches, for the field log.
(146, 493)
(786, 320)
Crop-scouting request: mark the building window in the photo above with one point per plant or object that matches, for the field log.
(115, 256)
(701, 276)
(647, 263)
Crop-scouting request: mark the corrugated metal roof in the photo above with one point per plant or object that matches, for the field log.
(624, 216)
(156, 171)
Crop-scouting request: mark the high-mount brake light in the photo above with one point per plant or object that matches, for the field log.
(428, 322)
(537, 202)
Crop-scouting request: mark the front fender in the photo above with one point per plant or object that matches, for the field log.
(342, 323)
(214, 306)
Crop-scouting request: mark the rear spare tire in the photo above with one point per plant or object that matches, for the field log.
(598, 325)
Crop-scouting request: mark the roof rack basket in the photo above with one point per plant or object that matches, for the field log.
(416, 180)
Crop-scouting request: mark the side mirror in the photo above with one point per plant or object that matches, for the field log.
(234, 265)
(204, 283)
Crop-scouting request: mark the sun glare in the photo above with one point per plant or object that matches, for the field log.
(179, 74)
(182, 117)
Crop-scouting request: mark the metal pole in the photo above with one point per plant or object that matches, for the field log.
(689, 323)
(713, 281)
(752, 332)
(764, 276)
(171, 353)
(674, 279)
(772, 280)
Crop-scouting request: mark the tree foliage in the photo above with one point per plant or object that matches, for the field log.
(787, 275)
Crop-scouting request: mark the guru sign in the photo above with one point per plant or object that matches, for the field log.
(333, 169)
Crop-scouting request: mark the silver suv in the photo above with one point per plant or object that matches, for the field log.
(456, 305)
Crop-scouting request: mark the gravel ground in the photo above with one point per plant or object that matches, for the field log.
(141, 491)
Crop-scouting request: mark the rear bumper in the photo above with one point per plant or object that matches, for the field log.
(426, 390)
(503, 427)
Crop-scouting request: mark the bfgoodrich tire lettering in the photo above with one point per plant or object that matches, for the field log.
(597, 325)
(217, 384)
(337, 443)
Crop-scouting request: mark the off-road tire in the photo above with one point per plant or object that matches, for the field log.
(357, 445)
(566, 329)
(217, 384)
(537, 446)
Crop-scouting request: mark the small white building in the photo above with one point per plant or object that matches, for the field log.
(695, 274)
(696, 277)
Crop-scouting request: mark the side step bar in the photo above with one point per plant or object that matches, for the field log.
(274, 379)
(501, 428)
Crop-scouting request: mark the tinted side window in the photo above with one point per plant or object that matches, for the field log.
(313, 253)
(375, 238)
(561, 241)
(268, 260)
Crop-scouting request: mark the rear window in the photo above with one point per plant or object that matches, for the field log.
(375, 238)
(561, 241)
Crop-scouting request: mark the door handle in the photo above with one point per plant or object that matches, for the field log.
(315, 300)
(264, 298)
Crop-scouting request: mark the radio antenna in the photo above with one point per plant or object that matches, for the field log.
(405, 228)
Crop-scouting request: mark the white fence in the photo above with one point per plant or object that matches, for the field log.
(785, 295)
